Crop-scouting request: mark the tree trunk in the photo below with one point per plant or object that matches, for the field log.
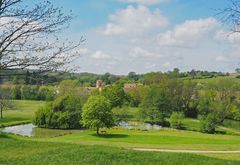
(1, 112)
(97, 130)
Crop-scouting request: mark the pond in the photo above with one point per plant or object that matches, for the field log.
(30, 130)
(138, 126)
(23, 130)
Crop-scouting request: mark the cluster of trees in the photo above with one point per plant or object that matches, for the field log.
(73, 108)
(163, 99)
(30, 92)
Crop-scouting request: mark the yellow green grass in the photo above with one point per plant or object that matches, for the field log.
(115, 147)
(22, 112)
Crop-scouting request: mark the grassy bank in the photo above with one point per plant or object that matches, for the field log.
(22, 152)
(22, 112)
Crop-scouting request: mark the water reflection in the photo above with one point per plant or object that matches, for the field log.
(23, 130)
(30, 130)
(138, 126)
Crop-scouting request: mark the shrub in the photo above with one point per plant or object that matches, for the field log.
(176, 120)
(208, 124)
(63, 113)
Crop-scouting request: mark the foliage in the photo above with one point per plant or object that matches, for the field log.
(64, 113)
(115, 94)
(176, 120)
(121, 114)
(97, 113)
(155, 106)
(209, 123)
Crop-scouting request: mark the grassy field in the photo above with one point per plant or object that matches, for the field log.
(162, 139)
(22, 152)
(115, 147)
(22, 112)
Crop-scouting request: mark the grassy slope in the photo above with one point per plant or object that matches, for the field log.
(21, 152)
(169, 139)
(164, 139)
(22, 112)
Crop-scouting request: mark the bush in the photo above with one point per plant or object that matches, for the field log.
(208, 124)
(63, 113)
(176, 120)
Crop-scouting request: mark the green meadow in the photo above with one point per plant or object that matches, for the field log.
(113, 147)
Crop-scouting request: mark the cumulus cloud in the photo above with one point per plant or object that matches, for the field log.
(100, 55)
(144, 2)
(188, 33)
(226, 36)
(134, 20)
(139, 52)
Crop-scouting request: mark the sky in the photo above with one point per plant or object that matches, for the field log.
(151, 35)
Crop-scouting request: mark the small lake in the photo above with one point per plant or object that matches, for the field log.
(30, 130)
(138, 126)
(23, 130)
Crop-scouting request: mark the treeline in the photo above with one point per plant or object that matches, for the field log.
(165, 97)
(162, 99)
(34, 77)
(29, 92)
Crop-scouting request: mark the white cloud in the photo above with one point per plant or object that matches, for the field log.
(134, 20)
(221, 59)
(144, 2)
(150, 66)
(140, 52)
(83, 51)
(226, 36)
(100, 55)
(166, 65)
(188, 33)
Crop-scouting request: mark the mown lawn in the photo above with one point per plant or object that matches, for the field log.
(22, 112)
(25, 152)
(162, 139)
(85, 147)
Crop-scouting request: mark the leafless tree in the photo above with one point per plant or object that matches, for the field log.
(5, 102)
(30, 36)
(230, 15)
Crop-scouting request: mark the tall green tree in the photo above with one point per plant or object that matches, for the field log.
(115, 94)
(156, 105)
(97, 113)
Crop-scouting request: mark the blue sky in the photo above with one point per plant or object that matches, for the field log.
(151, 35)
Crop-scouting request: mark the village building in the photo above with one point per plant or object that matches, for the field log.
(127, 87)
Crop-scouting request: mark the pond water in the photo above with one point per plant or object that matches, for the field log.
(23, 130)
(138, 126)
(30, 130)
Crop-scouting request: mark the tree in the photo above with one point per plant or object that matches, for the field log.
(176, 120)
(208, 124)
(29, 36)
(97, 113)
(133, 76)
(156, 105)
(63, 113)
(5, 102)
(231, 15)
(115, 94)
(189, 98)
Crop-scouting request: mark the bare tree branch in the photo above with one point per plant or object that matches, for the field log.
(29, 36)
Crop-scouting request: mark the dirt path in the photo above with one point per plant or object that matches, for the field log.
(185, 151)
